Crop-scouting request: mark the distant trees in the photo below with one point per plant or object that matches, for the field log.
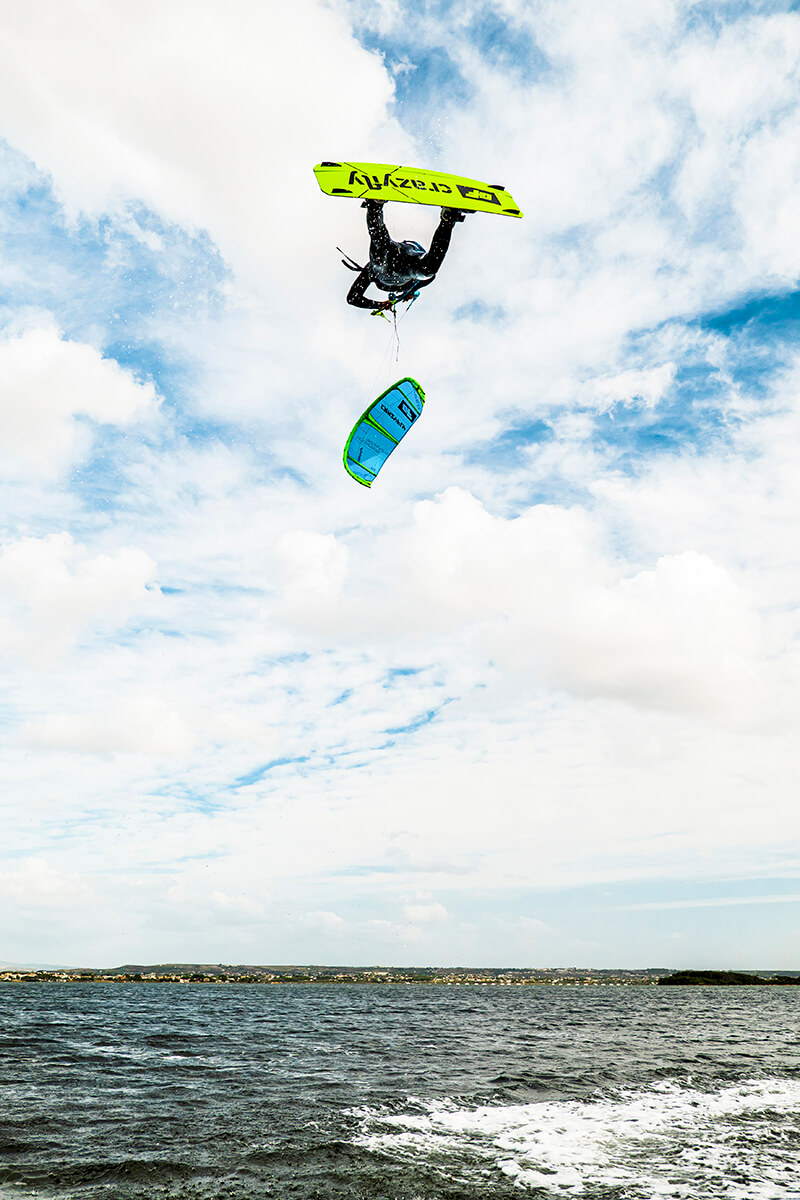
(731, 978)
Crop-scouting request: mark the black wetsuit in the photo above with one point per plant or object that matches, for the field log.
(398, 267)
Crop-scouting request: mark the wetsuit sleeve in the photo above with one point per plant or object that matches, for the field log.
(356, 295)
(440, 242)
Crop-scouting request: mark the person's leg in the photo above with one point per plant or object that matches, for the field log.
(440, 241)
(379, 240)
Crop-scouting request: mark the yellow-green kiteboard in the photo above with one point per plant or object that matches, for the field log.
(411, 185)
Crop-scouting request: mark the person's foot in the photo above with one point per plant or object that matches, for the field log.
(374, 203)
(453, 214)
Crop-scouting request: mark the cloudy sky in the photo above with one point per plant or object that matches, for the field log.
(531, 700)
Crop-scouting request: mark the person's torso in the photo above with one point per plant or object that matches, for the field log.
(397, 270)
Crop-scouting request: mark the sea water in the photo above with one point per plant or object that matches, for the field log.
(427, 1092)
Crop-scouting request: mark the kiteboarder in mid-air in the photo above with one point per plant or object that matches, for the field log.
(399, 268)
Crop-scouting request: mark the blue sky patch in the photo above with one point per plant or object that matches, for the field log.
(506, 46)
(480, 311)
(418, 722)
(395, 673)
(675, 426)
(115, 276)
(258, 773)
(762, 335)
(100, 478)
(716, 15)
(508, 449)
(427, 82)
(428, 78)
(776, 314)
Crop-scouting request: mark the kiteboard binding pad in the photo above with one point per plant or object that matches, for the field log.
(412, 185)
(381, 428)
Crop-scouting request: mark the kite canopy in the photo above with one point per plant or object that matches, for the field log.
(382, 427)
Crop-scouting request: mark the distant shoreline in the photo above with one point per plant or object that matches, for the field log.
(393, 976)
(728, 979)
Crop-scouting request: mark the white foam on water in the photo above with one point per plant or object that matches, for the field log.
(669, 1140)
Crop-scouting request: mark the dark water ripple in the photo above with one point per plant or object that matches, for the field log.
(418, 1092)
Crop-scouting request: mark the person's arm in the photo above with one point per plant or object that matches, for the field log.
(356, 295)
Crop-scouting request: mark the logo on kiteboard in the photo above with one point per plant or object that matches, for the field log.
(473, 193)
(374, 183)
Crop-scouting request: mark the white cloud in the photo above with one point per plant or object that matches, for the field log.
(424, 910)
(45, 384)
(543, 596)
(144, 725)
(52, 588)
(325, 922)
(36, 883)
(237, 908)
(532, 925)
(646, 387)
(239, 105)
(712, 902)
(745, 151)
(314, 569)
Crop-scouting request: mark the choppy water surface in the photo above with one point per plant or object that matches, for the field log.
(396, 1092)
